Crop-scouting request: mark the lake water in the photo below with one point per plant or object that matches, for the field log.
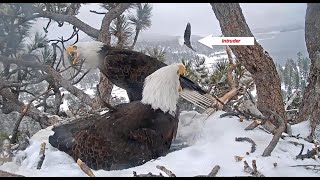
(283, 45)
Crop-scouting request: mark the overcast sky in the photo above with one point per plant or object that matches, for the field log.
(171, 18)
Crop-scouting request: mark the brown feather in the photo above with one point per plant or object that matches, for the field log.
(127, 69)
(127, 137)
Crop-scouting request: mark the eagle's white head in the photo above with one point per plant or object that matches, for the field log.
(88, 50)
(161, 88)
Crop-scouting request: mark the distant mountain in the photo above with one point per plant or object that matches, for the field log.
(282, 27)
(174, 51)
(151, 37)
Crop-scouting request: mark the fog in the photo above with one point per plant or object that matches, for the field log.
(171, 18)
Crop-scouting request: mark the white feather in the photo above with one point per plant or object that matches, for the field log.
(89, 51)
(161, 89)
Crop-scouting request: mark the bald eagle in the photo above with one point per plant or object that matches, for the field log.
(187, 36)
(125, 68)
(133, 133)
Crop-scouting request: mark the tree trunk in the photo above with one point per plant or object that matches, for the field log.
(310, 107)
(105, 85)
(135, 38)
(254, 58)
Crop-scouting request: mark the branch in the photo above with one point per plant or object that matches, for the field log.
(309, 153)
(41, 155)
(90, 31)
(277, 134)
(17, 84)
(253, 171)
(85, 168)
(24, 111)
(146, 175)
(104, 34)
(97, 12)
(7, 174)
(304, 165)
(293, 96)
(18, 106)
(168, 172)
(253, 144)
(214, 171)
(55, 75)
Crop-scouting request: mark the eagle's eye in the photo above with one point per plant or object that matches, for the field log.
(71, 55)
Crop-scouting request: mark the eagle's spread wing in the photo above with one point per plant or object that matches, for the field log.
(187, 34)
(129, 136)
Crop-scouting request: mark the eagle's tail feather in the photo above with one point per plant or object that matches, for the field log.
(203, 101)
(62, 138)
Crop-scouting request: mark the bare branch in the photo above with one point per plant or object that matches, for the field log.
(277, 134)
(253, 144)
(16, 84)
(24, 111)
(146, 175)
(97, 12)
(164, 169)
(214, 171)
(7, 174)
(41, 155)
(309, 153)
(78, 80)
(104, 35)
(251, 171)
(293, 96)
(85, 168)
(90, 31)
(18, 106)
(55, 75)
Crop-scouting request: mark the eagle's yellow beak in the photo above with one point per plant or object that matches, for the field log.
(72, 54)
(181, 71)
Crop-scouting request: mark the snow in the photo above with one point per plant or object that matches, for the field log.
(119, 92)
(210, 141)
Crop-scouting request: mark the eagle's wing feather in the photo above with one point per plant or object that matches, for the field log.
(187, 34)
(117, 141)
(128, 69)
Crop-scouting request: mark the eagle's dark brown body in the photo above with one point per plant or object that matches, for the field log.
(130, 136)
(127, 69)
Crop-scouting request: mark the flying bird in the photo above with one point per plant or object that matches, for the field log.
(133, 133)
(125, 68)
(187, 35)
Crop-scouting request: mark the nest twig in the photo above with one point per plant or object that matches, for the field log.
(253, 171)
(165, 170)
(41, 155)
(85, 168)
(253, 144)
(309, 154)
